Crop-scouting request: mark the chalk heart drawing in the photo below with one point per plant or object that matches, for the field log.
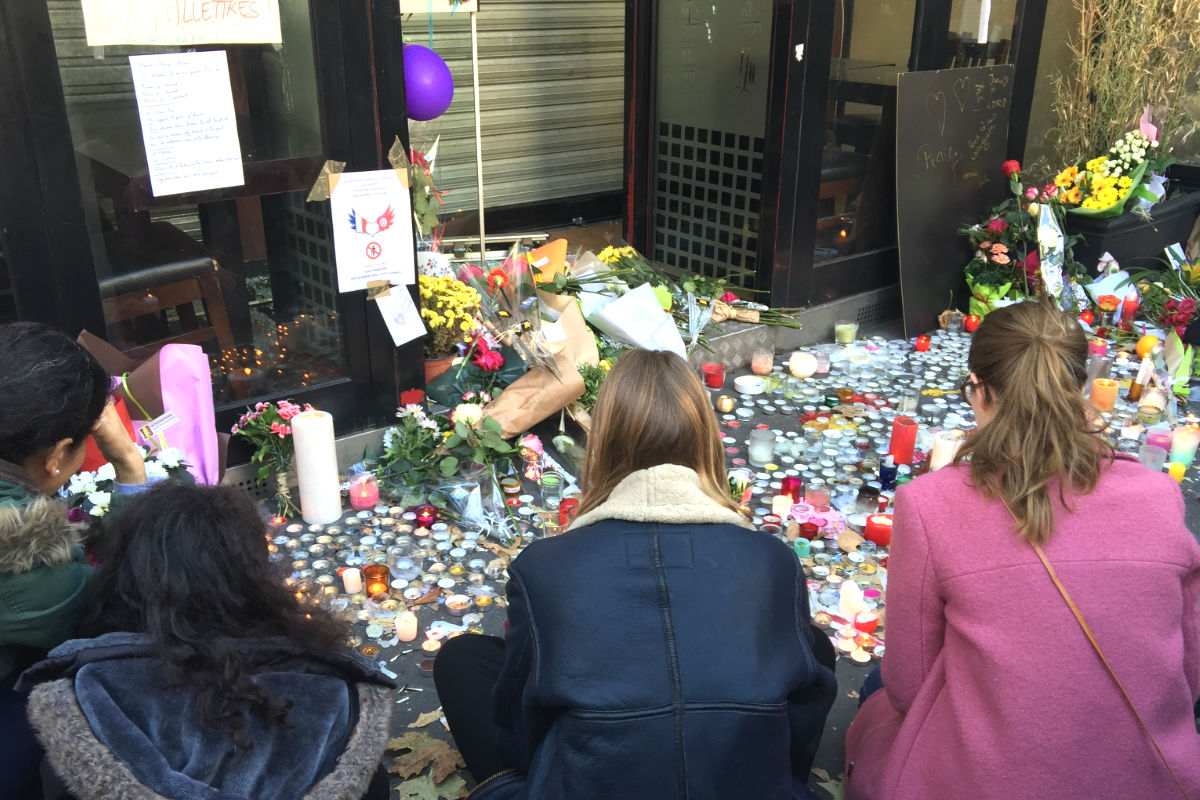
(935, 106)
(962, 92)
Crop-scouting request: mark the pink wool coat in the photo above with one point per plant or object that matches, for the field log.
(996, 691)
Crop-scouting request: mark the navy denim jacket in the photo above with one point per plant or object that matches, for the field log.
(649, 661)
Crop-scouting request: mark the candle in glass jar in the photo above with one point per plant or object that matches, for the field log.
(790, 485)
(866, 621)
(714, 375)
(802, 364)
(364, 491)
(845, 331)
(377, 577)
(316, 467)
(781, 505)
(945, 446)
(904, 439)
(762, 362)
(1129, 306)
(406, 626)
(1097, 347)
(426, 515)
(1183, 444)
(878, 529)
(1104, 393)
(352, 580)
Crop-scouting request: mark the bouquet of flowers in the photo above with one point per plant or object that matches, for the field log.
(449, 308)
(407, 446)
(89, 494)
(266, 429)
(1131, 168)
(1006, 265)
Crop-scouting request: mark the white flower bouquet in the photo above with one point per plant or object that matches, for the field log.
(92, 492)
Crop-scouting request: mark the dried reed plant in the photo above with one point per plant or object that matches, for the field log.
(1126, 54)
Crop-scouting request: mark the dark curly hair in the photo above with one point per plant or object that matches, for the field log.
(187, 566)
(53, 390)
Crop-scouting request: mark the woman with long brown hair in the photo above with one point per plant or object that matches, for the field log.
(1043, 607)
(659, 648)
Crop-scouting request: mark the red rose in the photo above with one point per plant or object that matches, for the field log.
(1010, 168)
(488, 360)
(412, 397)
(1187, 306)
(997, 226)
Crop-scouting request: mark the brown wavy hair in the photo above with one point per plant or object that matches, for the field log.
(1030, 363)
(652, 410)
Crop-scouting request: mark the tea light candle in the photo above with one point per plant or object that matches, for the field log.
(867, 621)
(406, 626)
(316, 467)
(431, 646)
(1183, 444)
(861, 656)
(426, 515)
(364, 491)
(457, 605)
(1104, 393)
(352, 580)
(822, 619)
(483, 602)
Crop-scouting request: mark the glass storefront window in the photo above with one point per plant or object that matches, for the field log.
(245, 272)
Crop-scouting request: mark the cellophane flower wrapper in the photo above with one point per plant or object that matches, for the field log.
(478, 503)
(510, 306)
(637, 319)
(984, 297)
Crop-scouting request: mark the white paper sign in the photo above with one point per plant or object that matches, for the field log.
(401, 315)
(372, 230)
(438, 6)
(188, 126)
(181, 22)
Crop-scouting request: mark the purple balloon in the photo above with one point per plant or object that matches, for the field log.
(427, 82)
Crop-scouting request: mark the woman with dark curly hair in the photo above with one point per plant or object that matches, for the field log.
(54, 396)
(206, 676)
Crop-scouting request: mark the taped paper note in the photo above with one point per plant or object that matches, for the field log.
(401, 316)
(181, 22)
(372, 229)
(188, 124)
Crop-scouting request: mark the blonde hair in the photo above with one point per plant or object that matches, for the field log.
(1030, 362)
(652, 410)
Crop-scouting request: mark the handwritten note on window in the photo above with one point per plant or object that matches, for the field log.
(188, 124)
(114, 22)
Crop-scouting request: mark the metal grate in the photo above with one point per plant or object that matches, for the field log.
(883, 310)
(707, 202)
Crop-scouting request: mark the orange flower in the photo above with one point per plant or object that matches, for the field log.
(999, 249)
(497, 278)
(1108, 302)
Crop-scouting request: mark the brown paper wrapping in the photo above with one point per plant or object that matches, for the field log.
(723, 312)
(141, 377)
(538, 394)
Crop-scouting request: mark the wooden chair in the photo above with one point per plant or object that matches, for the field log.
(160, 270)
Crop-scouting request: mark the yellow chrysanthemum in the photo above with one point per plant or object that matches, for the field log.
(1067, 177)
(1125, 182)
(1073, 195)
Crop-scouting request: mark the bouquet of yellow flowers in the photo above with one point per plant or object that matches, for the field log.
(449, 308)
(1104, 184)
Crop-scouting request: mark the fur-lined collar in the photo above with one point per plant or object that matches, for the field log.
(667, 493)
(36, 534)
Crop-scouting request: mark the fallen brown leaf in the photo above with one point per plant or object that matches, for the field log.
(423, 788)
(425, 719)
(420, 750)
(430, 597)
(500, 550)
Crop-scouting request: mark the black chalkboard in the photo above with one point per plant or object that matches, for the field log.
(951, 137)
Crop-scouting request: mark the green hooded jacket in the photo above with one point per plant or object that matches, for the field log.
(45, 580)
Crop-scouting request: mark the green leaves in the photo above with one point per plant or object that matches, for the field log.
(449, 466)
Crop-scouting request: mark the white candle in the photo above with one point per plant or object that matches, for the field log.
(406, 626)
(352, 580)
(781, 506)
(850, 600)
(945, 447)
(316, 467)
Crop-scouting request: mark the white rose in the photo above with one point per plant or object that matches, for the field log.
(469, 413)
(171, 457)
(106, 473)
(155, 470)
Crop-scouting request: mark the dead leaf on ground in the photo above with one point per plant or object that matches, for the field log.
(423, 788)
(420, 750)
(852, 695)
(426, 718)
(499, 549)
(820, 773)
(430, 597)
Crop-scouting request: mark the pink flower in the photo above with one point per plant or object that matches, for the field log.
(261, 406)
(999, 249)
(997, 226)
(1187, 306)
(488, 360)
(1000, 258)
(1031, 193)
(275, 426)
(284, 431)
(729, 297)
(234, 429)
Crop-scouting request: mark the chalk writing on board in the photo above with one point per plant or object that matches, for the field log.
(182, 22)
(189, 129)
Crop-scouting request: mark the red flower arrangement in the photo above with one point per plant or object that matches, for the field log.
(1178, 314)
(486, 358)
(1010, 168)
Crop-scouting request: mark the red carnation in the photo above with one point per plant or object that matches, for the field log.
(488, 360)
(412, 397)
(1010, 168)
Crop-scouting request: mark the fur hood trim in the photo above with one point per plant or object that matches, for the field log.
(36, 534)
(92, 772)
(668, 494)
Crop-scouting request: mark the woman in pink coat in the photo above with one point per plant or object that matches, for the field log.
(993, 690)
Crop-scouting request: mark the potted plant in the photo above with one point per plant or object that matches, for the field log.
(1130, 68)
(449, 308)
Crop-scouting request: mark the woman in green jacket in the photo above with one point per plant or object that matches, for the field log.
(52, 397)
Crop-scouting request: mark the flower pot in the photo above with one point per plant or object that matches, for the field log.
(1135, 242)
(436, 366)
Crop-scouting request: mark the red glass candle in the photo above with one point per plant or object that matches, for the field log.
(809, 530)
(567, 510)
(714, 375)
(866, 621)
(790, 485)
(426, 515)
(364, 492)
(1097, 347)
(904, 439)
(879, 529)
(1130, 306)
